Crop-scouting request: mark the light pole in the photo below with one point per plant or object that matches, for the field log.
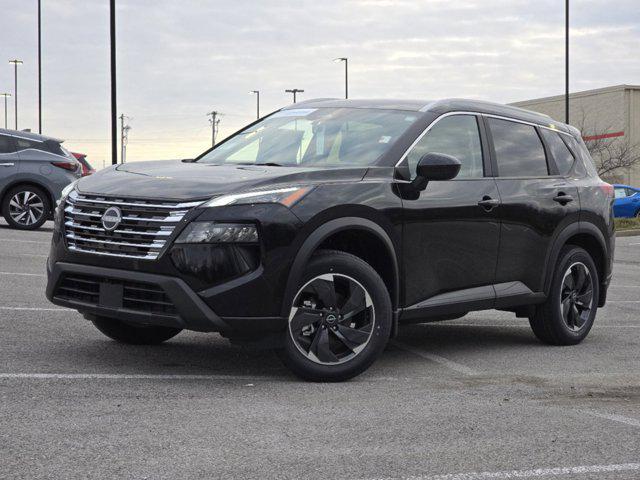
(214, 121)
(566, 60)
(294, 91)
(15, 62)
(114, 104)
(257, 94)
(346, 74)
(39, 70)
(5, 95)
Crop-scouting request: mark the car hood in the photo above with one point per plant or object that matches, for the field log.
(176, 180)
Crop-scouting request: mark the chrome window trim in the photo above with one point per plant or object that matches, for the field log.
(477, 114)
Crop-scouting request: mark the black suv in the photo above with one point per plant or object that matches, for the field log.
(321, 227)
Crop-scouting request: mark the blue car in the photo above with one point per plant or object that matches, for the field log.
(627, 202)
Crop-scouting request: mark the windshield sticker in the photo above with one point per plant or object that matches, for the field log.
(410, 118)
(384, 139)
(295, 112)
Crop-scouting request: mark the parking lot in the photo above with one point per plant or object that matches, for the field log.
(479, 394)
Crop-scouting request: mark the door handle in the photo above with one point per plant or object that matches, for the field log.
(562, 198)
(488, 203)
(7, 164)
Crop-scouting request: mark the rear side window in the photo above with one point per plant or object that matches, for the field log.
(6, 144)
(519, 150)
(621, 192)
(24, 144)
(458, 136)
(559, 150)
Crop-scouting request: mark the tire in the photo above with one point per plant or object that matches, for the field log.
(568, 314)
(26, 207)
(133, 335)
(333, 343)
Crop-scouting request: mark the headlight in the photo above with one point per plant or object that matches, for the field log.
(66, 191)
(212, 232)
(284, 196)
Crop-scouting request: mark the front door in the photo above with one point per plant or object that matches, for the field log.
(8, 160)
(450, 237)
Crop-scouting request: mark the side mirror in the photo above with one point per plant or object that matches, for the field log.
(438, 166)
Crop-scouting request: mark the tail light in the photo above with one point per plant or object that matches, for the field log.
(607, 188)
(71, 166)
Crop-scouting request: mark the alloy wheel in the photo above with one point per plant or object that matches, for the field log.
(576, 296)
(26, 207)
(332, 319)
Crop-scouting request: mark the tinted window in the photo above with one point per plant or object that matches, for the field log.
(519, 150)
(457, 135)
(559, 150)
(6, 144)
(23, 144)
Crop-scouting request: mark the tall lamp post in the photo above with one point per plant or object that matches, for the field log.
(39, 70)
(15, 62)
(566, 60)
(114, 104)
(346, 74)
(294, 91)
(257, 94)
(5, 95)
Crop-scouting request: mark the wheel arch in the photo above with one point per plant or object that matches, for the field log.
(587, 236)
(331, 235)
(33, 183)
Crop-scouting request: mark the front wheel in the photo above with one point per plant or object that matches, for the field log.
(568, 314)
(132, 334)
(26, 207)
(339, 321)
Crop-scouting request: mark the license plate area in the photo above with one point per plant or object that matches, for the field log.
(110, 295)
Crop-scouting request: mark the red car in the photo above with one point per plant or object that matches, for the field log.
(87, 169)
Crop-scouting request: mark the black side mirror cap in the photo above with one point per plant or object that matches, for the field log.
(438, 166)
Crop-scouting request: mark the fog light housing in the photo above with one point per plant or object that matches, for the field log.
(212, 232)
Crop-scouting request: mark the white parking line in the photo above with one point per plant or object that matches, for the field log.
(35, 309)
(458, 367)
(616, 418)
(533, 473)
(20, 274)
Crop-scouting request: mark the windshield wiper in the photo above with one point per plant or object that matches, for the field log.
(270, 164)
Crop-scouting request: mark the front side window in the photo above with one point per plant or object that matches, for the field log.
(621, 192)
(6, 144)
(456, 135)
(561, 153)
(325, 137)
(519, 150)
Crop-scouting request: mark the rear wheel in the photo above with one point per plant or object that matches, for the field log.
(340, 319)
(133, 334)
(570, 310)
(26, 207)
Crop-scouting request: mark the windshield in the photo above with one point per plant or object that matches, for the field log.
(329, 137)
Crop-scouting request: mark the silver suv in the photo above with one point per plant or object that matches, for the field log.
(33, 171)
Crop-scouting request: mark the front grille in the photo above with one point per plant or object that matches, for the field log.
(136, 296)
(145, 227)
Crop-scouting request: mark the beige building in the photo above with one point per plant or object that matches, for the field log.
(607, 116)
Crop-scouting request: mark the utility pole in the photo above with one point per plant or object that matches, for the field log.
(5, 95)
(114, 104)
(294, 91)
(257, 94)
(346, 74)
(39, 69)
(566, 61)
(214, 121)
(124, 138)
(15, 62)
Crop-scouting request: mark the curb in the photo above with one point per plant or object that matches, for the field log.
(628, 233)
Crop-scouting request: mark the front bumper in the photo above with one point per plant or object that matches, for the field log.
(134, 296)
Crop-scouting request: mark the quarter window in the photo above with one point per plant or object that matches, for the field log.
(24, 144)
(559, 150)
(458, 136)
(6, 144)
(519, 150)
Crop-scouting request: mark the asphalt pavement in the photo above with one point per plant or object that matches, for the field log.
(475, 398)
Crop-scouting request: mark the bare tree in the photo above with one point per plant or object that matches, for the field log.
(610, 154)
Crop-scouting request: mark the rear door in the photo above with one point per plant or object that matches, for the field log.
(450, 240)
(538, 200)
(8, 160)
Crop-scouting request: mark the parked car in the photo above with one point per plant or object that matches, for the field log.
(33, 171)
(87, 169)
(319, 229)
(627, 202)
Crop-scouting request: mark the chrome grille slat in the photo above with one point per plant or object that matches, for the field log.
(144, 230)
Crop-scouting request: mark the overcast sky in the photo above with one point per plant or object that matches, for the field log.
(177, 60)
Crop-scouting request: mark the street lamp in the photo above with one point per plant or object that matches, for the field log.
(566, 61)
(39, 67)
(294, 91)
(257, 94)
(346, 74)
(16, 62)
(5, 95)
